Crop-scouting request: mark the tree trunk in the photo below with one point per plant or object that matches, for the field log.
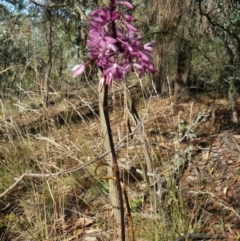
(164, 15)
(184, 52)
(183, 67)
(160, 79)
(49, 63)
(81, 31)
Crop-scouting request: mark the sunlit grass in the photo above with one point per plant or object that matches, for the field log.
(46, 208)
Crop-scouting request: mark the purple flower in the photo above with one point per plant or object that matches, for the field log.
(148, 47)
(115, 71)
(114, 44)
(101, 83)
(128, 17)
(78, 70)
(126, 4)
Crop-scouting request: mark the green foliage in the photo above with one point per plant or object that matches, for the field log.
(23, 45)
(136, 204)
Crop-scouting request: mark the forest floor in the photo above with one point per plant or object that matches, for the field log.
(195, 153)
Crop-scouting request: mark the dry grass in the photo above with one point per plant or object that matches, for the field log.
(196, 172)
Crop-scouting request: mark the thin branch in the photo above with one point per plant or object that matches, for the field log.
(63, 172)
(196, 236)
(214, 196)
(49, 6)
(215, 24)
(187, 41)
(1, 72)
(133, 112)
(80, 11)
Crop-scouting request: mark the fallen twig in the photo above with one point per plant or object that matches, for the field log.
(220, 203)
(63, 172)
(1, 72)
(195, 236)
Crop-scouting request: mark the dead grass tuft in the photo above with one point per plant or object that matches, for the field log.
(195, 158)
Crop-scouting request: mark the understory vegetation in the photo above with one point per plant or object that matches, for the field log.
(179, 163)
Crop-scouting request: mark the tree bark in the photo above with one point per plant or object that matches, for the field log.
(49, 63)
(164, 15)
(160, 79)
(184, 52)
(81, 34)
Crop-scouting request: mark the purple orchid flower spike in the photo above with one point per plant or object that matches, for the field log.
(114, 44)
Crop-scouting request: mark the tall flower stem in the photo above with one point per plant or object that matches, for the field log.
(112, 5)
(114, 45)
(104, 110)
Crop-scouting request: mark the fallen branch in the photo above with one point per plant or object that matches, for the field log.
(133, 112)
(196, 236)
(215, 197)
(50, 5)
(63, 172)
(1, 72)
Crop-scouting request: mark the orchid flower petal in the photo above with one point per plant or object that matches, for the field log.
(101, 84)
(148, 47)
(126, 4)
(78, 70)
(110, 40)
(129, 17)
(130, 27)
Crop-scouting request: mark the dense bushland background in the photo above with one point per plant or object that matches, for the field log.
(49, 123)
